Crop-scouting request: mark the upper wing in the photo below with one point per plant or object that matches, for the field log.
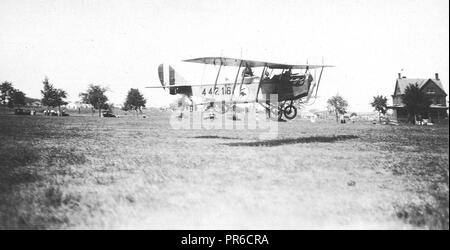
(225, 61)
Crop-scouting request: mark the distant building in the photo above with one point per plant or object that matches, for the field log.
(33, 102)
(431, 87)
(71, 105)
(307, 114)
(77, 105)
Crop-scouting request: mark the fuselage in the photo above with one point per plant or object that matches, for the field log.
(246, 89)
(251, 89)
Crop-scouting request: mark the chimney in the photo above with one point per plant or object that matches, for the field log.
(399, 75)
(437, 76)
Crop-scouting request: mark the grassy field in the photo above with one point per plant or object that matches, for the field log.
(136, 173)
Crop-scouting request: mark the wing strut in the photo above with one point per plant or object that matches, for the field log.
(260, 81)
(318, 82)
(235, 80)
(217, 78)
(242, 81)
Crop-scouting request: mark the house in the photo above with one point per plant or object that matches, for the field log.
(432, 87)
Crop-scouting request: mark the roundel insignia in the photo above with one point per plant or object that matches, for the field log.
(244, 91)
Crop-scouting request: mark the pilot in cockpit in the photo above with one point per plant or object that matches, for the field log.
(287, 73)
(286, 76)
(247, 72)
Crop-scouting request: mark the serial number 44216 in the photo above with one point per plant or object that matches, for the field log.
(217, 91)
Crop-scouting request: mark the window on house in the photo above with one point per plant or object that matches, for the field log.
(431, 91)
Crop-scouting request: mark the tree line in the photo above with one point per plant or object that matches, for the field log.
(416, 102)
(53, 97)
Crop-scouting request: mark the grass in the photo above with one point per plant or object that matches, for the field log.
(128, 172)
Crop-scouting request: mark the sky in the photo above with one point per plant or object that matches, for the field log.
(119, 44)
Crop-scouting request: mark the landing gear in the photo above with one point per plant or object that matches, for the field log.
(290, 112)
(276, 113)
(215, 109)
(235, 118)
(222, 108)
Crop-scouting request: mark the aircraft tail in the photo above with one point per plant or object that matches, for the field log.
(168, 76)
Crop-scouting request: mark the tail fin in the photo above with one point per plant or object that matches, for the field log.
(168, 76)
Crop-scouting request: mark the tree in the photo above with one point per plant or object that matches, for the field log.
(5, 90)
(380, 104)
(10, 96)
(95, 96)
(416, 102)
(337, 105)
(51, 96)
(109, 107)
(135, 100)
(17, 98)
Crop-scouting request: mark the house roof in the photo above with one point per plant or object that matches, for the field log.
(402, 83)
(29, 99)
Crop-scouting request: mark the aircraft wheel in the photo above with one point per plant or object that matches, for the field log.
(290, 112)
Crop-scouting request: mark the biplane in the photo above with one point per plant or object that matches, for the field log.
(294, 85)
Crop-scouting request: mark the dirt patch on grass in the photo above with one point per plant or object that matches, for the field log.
(215, 137)
(278, 142)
